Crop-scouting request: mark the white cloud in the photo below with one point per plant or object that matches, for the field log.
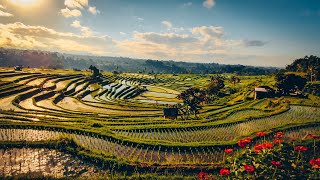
(202, 42)
(209, 31)
(140, 19)
(93, 10)
(19, 35)
(76, 24)
(2, 7)
(76, 3)
(209, 3)
(85, 31)
(5, 14)
(188, 4)
(70, 13)
(167, 24)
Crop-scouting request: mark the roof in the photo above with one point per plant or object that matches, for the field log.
(260, 90)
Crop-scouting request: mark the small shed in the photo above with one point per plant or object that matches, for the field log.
(18, 68)
(263, 92)
(170, 113)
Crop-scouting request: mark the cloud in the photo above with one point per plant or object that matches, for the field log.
(85, 31)
(93, 10)
(251, 43)
(167, 24)
(76, 3)
(5, 14)
(139, 18)
(209, 32)
(188, 4)
(204, 42)
(170, 39)
(70, 13)
(208, 3)
(19, 35)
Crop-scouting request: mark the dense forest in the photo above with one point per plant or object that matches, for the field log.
(36, 59)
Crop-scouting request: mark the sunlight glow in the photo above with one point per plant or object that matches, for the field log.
(25, 2)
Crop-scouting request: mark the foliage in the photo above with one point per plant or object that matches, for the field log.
(280, 159)
(234, 80)
(192, 98)
(309, 65)
(215, 85)
(95, 71)
(290, 83)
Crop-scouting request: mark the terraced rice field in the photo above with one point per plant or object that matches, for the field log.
(119, 117)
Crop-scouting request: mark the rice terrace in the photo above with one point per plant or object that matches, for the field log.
(70, 109)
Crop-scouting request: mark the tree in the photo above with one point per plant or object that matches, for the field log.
(288, 83)
(215, 85)
(95, 71)
(192, 98)
(234, 80)
(309, 65)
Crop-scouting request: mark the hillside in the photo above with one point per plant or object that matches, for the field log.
(36, 59)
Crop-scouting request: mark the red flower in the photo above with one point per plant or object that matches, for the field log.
(224, 172)
(248, 168)
(300, 148)
(261, 134)
(267, 145)
(315, 163)
(276, 163)
(293, 139)
(312, 162)
(257, 147)
(244, 142)
(279, 135)
(277, 141)
(313, 136)
(202, 175)
(257, 151)
(263, 146)
(230, 150)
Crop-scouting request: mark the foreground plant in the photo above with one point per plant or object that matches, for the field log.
(279, 159)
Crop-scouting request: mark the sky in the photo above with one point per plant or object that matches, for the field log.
(248, 32)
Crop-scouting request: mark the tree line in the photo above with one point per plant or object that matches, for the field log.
(37, 59)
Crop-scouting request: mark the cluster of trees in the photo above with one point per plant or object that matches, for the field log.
(309, 65)
(95, 72)
(30, 58)
(194, 97)
(290, 83)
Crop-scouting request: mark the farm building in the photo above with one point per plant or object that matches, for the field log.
(18, 68)
(170, 113)
(263, 92)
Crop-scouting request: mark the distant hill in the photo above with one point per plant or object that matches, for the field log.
(33, 58)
